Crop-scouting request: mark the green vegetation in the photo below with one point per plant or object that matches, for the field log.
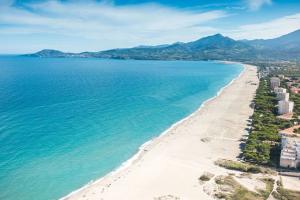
(263, 142)
(296, 99)
(232, 190)
(269, 187)
(285, 194)
(243, 167)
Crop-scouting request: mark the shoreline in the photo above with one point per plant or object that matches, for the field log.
(150, 144)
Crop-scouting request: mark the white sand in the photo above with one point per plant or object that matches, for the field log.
(291, 183)
(172, 163)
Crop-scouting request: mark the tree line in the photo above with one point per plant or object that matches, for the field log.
(263, 143)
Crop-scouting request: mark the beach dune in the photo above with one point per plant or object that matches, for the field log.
(170, 166)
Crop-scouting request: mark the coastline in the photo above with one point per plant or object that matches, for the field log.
(102, 184)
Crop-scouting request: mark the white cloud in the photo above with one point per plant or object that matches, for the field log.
(270, 29)
(106, 24)
(91, 26)
(257, 4)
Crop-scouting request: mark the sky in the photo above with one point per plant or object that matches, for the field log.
(28, 26)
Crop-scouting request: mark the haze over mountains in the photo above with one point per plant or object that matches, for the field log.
(215, 47)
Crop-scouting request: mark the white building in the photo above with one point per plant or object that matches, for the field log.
(275, 82)
(282, 96)
(289, 157)
(279, 90)
(290, 148)
(285, 107)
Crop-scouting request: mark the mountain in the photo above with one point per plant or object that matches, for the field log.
(52, 53)
(288, 42)
(284, 47)
(215, 47)
(211, 47)
(220, 47)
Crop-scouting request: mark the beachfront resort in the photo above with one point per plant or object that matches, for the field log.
(290, 140)
(290, 147)
(290, 137)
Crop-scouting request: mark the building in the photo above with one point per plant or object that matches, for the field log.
(289, 157)
(285, 107)
(290, 148)
(279, 90)
(275, 82)
(282, 96)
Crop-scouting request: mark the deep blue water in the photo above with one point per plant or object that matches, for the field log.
(64, 122)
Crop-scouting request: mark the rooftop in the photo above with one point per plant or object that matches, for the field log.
(295, 90)
(275, 79)
(287, 116)
(290, 131)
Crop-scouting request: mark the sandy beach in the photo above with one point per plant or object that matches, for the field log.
(172, 163)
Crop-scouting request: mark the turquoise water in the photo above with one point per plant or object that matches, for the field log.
(64, 122)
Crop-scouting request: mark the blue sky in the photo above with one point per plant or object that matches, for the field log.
(90, 25)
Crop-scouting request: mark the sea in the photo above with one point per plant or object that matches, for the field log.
(67, 121)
